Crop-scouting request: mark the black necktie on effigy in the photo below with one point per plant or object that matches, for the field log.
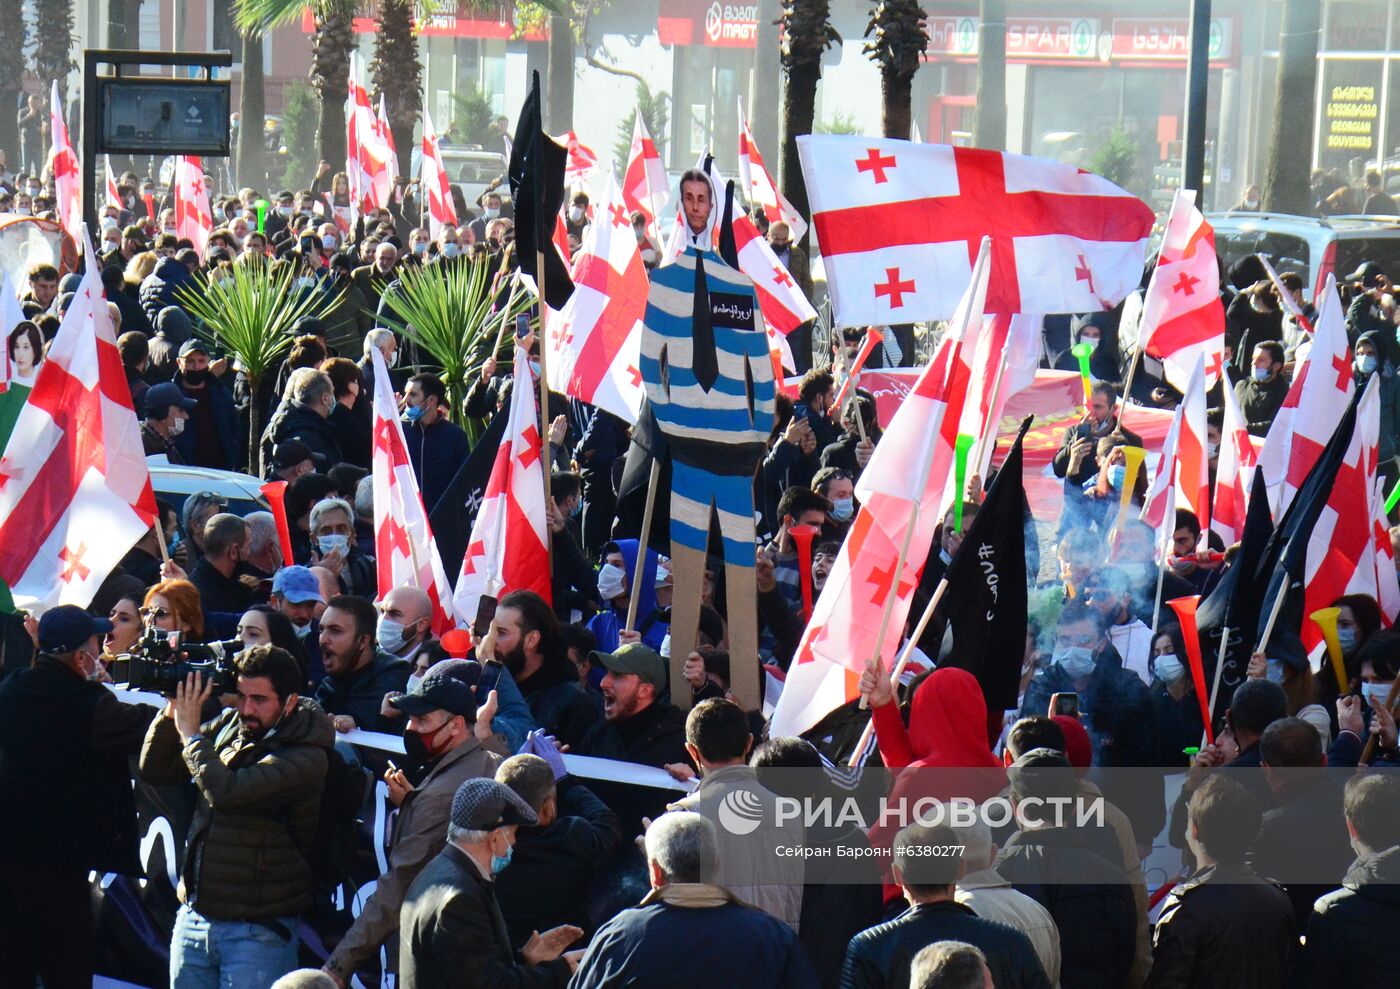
(703, 359)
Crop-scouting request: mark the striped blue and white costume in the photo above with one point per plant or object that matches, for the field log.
(717, 435)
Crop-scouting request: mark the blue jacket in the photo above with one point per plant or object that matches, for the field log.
(163, 286)
(220, 396)
(437, 452)
(362, 693)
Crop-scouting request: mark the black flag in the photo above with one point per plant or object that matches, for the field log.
(648, 445)
(986, 596)
(452, 517)
(536, 174)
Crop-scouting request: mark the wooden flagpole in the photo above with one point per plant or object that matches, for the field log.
(653, 479)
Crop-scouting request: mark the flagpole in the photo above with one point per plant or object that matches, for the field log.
(1273, 615)
(864, 742)
(1370, 748)
(1128, 384)
(545, 452)
(652, 481)
(160, 538)
(1215, 686)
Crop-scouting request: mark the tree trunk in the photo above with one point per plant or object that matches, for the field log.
(989, 128)
(766, 94)
(897, 93)
(13, 36)
(254, 427)
(252, 106)
(799, 108)
(330, 72)
(121, 23)
(398, 75)
(53, 48)
(559, 95)
(1286, 187)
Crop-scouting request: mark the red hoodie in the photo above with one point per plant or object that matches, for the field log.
(947, 730)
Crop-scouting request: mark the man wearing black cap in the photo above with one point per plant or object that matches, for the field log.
(440, 737)
(69, 807)
(212, 440)
(451, 932)
(1372, 305)
(167, 412)
(292, 459)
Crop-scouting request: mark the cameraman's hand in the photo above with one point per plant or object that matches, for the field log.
(190, 696)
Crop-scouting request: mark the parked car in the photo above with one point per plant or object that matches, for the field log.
(470, 169)
(1312, 246)
(174, 483)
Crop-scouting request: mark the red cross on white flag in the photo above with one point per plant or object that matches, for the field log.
(595, 340)
(1322, 387)
(581, 163)
(900, 223)
(507, 549)
(367, 150)
(193, 218)
(759, 188)
(67, 176)
(75, 493)
(644, 184)
(1183, 472)
(405, 553)
(442, 212)
(1234, 472)
(386, 134)
(1182, 317)
(114, 194)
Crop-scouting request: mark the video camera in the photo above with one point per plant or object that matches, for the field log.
(160, 662)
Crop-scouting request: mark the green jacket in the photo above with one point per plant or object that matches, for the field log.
(256, 812)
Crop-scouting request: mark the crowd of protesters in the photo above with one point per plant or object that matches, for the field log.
(502, 868)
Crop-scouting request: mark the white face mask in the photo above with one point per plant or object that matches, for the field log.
(491, 212)
(576, 215)
(330, 543)
(328, 242)
(177, 427)
(610, 581)
(648, 256)
(1169, 668)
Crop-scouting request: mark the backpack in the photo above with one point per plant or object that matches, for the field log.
(331, 852)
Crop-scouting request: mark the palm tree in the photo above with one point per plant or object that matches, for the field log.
(331, 46)
(898, 40)
(559, 97)
(989, 128)
(251, 166)
(1290, 151)
(14, 30)
(398, 73)
(53, 44)
(807, 33)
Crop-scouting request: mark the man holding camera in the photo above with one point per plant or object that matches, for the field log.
(68, 805)
(259, 768)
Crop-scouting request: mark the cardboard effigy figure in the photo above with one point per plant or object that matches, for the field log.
(709, 383)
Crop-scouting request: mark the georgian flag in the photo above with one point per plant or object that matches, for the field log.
(386, 134)
(582, 161)
(507, 550)
(192, 216)
(1182, 318)
(644, 184)
(899, 224)
(75, 492)
(759, 188)
(114, 195)
(367, 152)
(595, 340)
(437, 189)
(67, 178)
(1234, 466)
(1183, 472)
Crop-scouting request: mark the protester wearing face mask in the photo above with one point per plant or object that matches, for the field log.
(490, 212)
(445, 752)
(211, 436)
(1114, 703)
(1174, 698)
(437, 446)
(65, 741)
(332, 528)
(1370, 360)
(304, 416)
(576, 217)
(1093, 330)
(405, 622)
(296, 593)
(167, 411)
(1286, 664)
(837, 487)
(1261, 395)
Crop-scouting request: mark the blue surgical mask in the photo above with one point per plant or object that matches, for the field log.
(499, 862)
(450, 250)
(330, 543)
(1076, 661)
(413, 413)
(1117, 475)
(842, 508)
(1273, 670)
(1169, 668)
(1366, 363)
(390, 635)
(1346, 638)
(1380, 691)
(420, 247)
(535, 368)
(577, 510)
(1260, 373)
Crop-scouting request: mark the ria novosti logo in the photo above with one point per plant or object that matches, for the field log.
(740, 812)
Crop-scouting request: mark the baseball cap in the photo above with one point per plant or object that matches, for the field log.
(67, 627)
(298, 585)
(484, 804)
(1366, 274)
(294, 452)
(194, 345)
(635, 657)
(167, 393)
(438, 692)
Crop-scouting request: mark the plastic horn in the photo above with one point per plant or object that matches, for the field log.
(803, 536)
(276, 492)
(960, 452)
(262, 206)
(1394, 497)
(1133, 457)
(457, 643)
(1082, 352)
(873, 337)
(1326, 619)
(1185, 609)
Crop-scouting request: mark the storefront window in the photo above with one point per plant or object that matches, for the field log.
(1356, 26)
(1350, 133)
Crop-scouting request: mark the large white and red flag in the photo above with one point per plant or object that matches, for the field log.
(644, 184)
(899, 493)
(1182, 317)
(595, 340)
(1234, 471)
(75, 493)
(193, 218)
(366, 151)
(507, 550)
(67, 177)
(899, 224)
(405, 553)
(1342, 551)
(442, 212)
(581, 163)
(114, 192)
(1183, 473)
(759, 188)
(385, 134)
(1387, 581)
(1322, 387)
